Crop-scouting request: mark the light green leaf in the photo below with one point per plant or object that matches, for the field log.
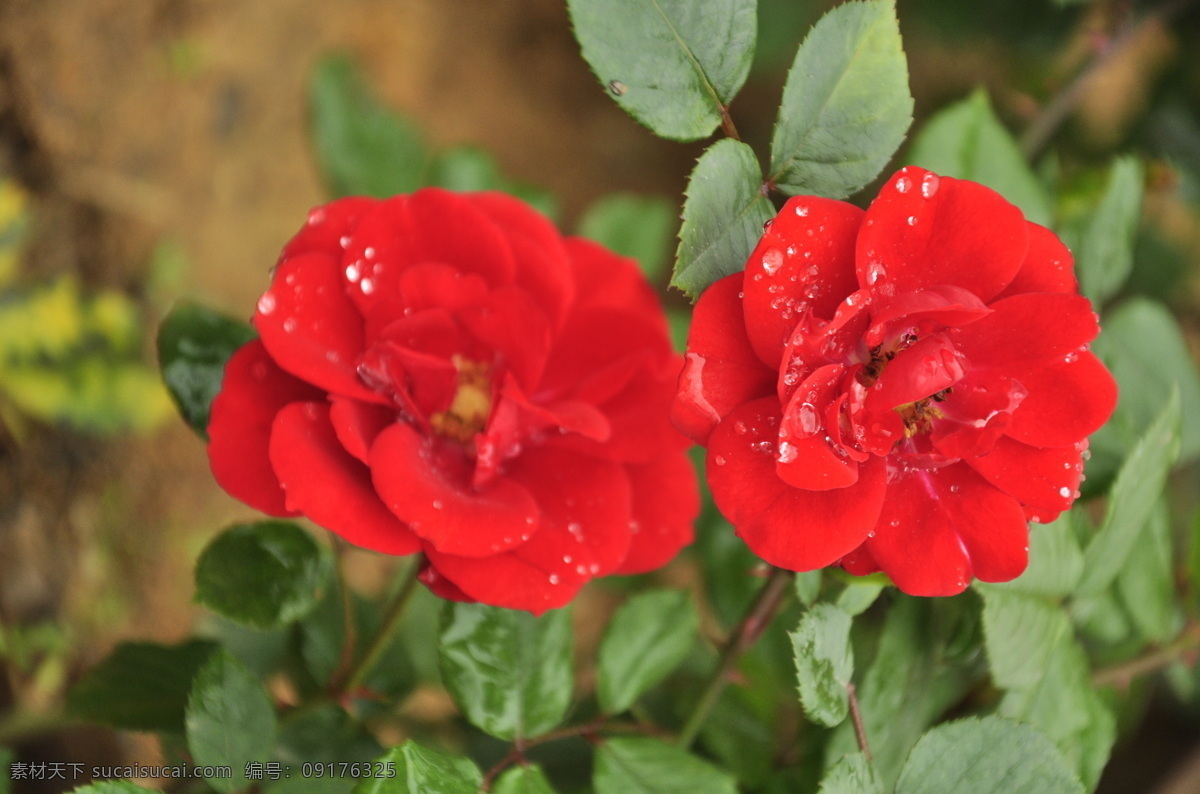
(846, 105)
(648, 637)
(723, 217)
(230, 720)
(1103, 241)
(523, 780)
(858, 595)
(649, 766)
(266, 574)
(420, 770)
(140, 686)
(508, 671)
(193, 346)
(1055, 560)
(853, 774)
(986, 756)
(635, 226)
(1136, 489)
(1146, 583)
(674, 65)
(1021, 633)
(808, 586)
(967, 141)
(824, 662)
(113, 787)
(362, 147)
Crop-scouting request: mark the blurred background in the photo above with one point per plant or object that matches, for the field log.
(158, 149)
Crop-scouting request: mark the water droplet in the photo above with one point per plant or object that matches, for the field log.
(806, 415)
(617, 87)
(553, 578)
(929, 185)
(871, 534)
(1064, 492)
(344, 241)
(739, 427)
(767, 223)
(791, 377)
(787, 452)
(772, 260)
(576, 529)
(903, 184)
(367, 286)
(316, 216)
(912, 220)
(266, 304)
(353, 272)
(955, 488)
(875, 271)
(719, 460)
(289, 325)
(437, 504)
(369, 252)
(791, 250)
(567, 559)
(333, 357)
(802, 211)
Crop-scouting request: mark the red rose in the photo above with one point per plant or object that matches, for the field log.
(446, 374)
(900, 389)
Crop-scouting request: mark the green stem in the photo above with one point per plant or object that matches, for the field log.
(393, 615)
(758, 616)
(1151, 662)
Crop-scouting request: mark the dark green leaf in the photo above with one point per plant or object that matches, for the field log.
(325, 734)
(1103, 241)
(648, 637)
(740, 730)
(265, 574)
(140, 686)
(464, 168)
(649, 766)
(853, 774)
(1146, 583)
(673, 65)
(1133, 495)
(508, 671)
(230, 720)
(824, 662)
(846, 104)
(967, 141)
(635, 226)
(986, 756)
(193, 346)
(723, 217)
(1142, 346)
(112, 787)
(7, 756)
(423, 771)
(523, 780)
(362, 147)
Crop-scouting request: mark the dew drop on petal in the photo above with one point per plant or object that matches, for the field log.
(353, 273)
(806, 414)
(316, 216)
(1064, 492)
(719, 460)
(875, 271)
(553, 578)
(903, 184)
(367, 286)
(772, 260)
(787, 452)
(955, 488)
(871, 534)
(802, 211)
(266, 304)
(369, 252)
(289, 325)
(344, 242)
(929, 185)
(912, 220)
(437, 504)
(739, 427)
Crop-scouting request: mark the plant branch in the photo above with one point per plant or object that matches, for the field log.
(860, 732)
(350, 681)
(349, 624)
(727, 124)
(758, 616)
(1056, 111)
(1153, 661)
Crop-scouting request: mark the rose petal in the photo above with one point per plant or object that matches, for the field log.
(605, 280)
(357, 424)
(328, 485)
(426, 482)
(328, 226)
(924, 230)
(1067, 401)
(253, 391)
(803, 263)
(1048, 267)
(790, 527)
(1028, 331)
(510, 323)
(599, 350)
(919, 371)
(806, 455)
(721, 370)
(1044, 478)
(666, 502)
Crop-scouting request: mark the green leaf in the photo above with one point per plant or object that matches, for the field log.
(853, 774)
(140, 686)
(508, 671)
(1103, 241)
(846, 104)
(648, 637)
(824, 662)
(523, 780)
(648, 766)
(230, 720)
(7, 756)
(1055, 560)
(635, 226)
(1146, 583)
(1021, 633)
(1136, 489)
(464, 168)
(858, 595)
(362, 147)
(193, 346)
(986, 756)
(325, 734)
(1142, 346)
(808, 586)
(723, 217)
(674, 65)
(266, 574)
(113, 787)
(967, 141)
(420, 771)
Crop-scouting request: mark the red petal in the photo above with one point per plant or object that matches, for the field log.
(426, 482)
(806, 457)
(666, 501)
(721, 370)
(789, 527)
(924, 230)
(328, 226)
(439, 585)
(599, 338)
(357, 424)
(253, 390)
(1028, 331)
(917, 372)
(310, 328)
(542, 267)
(1048, 267)
(325, 483)
(939, 527)
(605, 280)
(802, 263)
(1044, 478)
(511, 324)
(1067, 402)
(638, 417)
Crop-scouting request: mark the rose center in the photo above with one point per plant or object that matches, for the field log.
(471, 405)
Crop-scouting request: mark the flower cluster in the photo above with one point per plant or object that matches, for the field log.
(445, 374)
(901, 389)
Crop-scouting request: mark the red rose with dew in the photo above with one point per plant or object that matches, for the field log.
(901, 389)
(445, 374)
